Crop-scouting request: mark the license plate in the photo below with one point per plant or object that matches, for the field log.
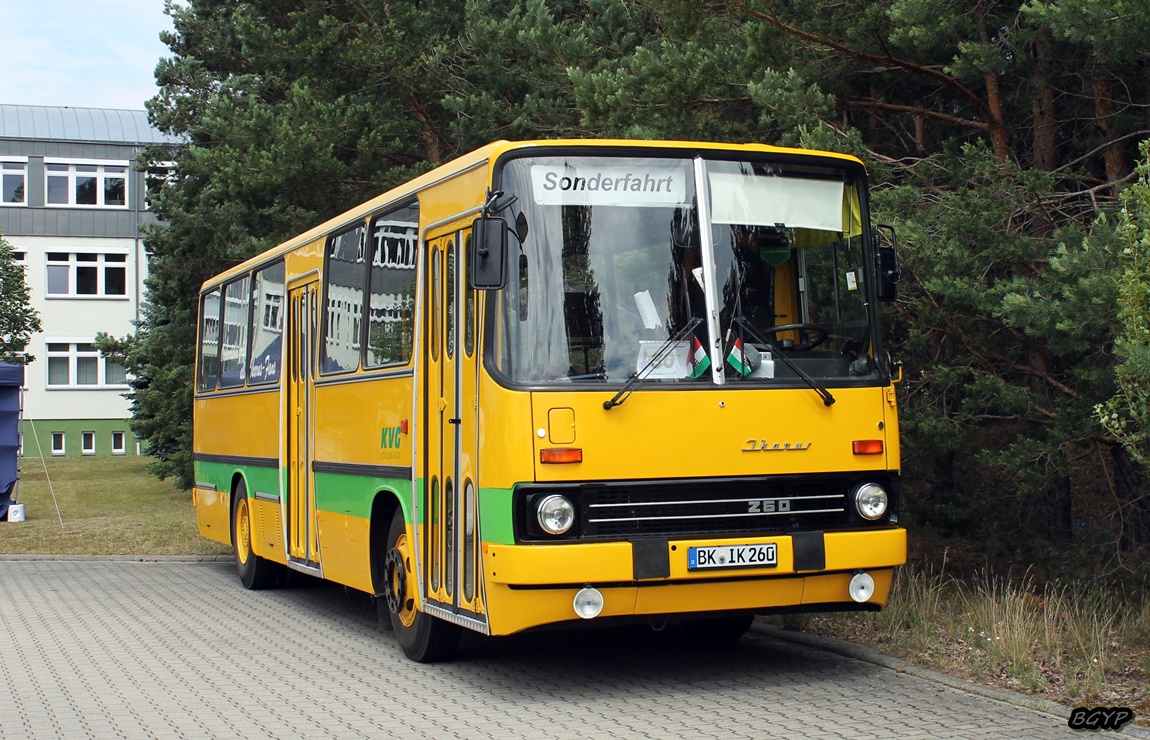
(733, 556)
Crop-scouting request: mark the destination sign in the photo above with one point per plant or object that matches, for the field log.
(592, 185)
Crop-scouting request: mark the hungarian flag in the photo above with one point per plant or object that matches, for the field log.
(737, 358)
(700, 360)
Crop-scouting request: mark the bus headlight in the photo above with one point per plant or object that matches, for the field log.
(555, 514)
(871, 501)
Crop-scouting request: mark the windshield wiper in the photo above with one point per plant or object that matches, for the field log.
(667, 346)
(777, 351)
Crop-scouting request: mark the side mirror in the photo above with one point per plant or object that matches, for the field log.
(488, 269)
(887, 267)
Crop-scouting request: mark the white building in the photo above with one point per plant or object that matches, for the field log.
(72, 206)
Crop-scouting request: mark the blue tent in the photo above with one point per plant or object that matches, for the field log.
(11, 379)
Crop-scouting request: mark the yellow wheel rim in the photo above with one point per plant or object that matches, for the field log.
(407, 599)
(243, 532)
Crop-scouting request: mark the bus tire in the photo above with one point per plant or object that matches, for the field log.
(717, 630)
(423, 638)
(255, 572)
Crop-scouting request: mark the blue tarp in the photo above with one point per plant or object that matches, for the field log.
(11, 378)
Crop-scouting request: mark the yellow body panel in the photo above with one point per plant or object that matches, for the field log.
(213, 515)
(268, 534)
(518, 577)
(714, 432)
(345, 550)
(245, 425)
(353, 417)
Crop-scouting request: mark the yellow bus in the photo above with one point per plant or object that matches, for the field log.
(567, 380)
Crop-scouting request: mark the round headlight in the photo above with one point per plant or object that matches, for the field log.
(870, 501)
(556, 514)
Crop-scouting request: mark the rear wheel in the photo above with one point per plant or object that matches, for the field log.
(718, 629)
(424, 638)
(255, 572)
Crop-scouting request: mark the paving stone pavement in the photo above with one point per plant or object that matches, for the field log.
(117, 649)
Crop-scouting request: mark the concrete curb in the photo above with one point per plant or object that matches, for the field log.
(125, 558)
(867, 655)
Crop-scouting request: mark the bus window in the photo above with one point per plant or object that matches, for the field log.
(391, 307)
(209, 365)
(469, 308)
(450, 299)
(788, 248)
(436, 302)
(267, 324)
(234, 349)
(344, 291)
(603, 281)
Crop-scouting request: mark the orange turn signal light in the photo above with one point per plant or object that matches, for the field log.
(561, 455)
(867, 446)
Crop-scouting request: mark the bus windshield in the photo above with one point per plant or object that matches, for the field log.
(607, 275)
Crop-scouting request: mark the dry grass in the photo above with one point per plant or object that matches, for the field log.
(1075, 645)
(101, 506)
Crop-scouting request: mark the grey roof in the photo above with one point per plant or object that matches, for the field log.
(51, 123)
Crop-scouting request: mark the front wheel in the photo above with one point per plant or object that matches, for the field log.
(424, 638)
(255, 572)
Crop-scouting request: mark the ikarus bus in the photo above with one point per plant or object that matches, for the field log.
(565, 381)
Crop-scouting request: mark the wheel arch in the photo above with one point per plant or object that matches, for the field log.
(238, 479)
(383, 507)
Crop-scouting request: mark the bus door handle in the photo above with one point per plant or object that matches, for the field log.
(454, 421)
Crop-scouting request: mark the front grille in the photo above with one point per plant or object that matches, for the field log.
(627, 510)
(735, 507)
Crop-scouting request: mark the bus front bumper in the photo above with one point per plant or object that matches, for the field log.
(533, 585)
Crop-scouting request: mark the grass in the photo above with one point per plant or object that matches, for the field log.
(101, 506)
(1078, 645)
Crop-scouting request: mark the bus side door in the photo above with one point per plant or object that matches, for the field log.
(302, 330)
(451, 424)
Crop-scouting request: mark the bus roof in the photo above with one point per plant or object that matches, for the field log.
(488, 154)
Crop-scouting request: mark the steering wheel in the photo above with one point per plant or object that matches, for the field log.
(819, 332)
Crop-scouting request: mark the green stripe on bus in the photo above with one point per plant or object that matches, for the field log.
(495, 516)
(259, 478)
(353, 494)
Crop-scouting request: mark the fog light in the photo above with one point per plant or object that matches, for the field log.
(870, 501)
(588, 602)
(555, 514)
(862, 587)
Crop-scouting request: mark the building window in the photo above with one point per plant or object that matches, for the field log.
(87, 275)
(57, 443)
(79, 365)
(118, 443)
(13, 182)
(88, 443)
(90, 185)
